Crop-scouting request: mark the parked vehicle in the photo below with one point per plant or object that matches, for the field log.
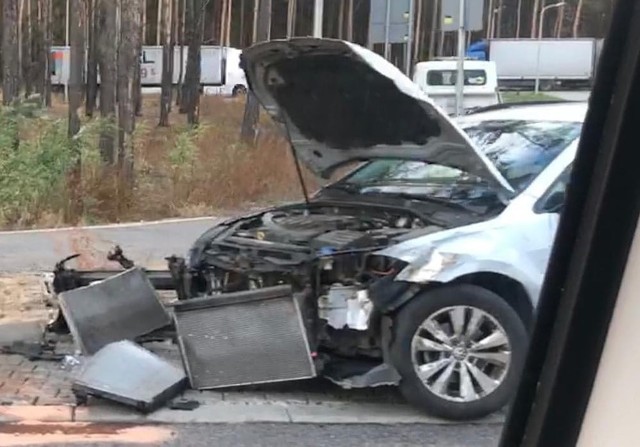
(422, 266)
(220, 68)
(437, 79)
(559, 63)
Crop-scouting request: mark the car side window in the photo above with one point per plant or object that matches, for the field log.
(553, 200)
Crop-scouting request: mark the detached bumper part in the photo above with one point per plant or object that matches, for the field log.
(243, 338)
(128, 374)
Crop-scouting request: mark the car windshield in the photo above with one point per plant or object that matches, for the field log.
(520, 150)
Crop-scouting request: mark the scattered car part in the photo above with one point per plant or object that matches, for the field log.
(243, 338)
(123, 306)
(117, 255)
(381, 375)
(33, 351)
(128, 374)
(64, 279)
(184, 404)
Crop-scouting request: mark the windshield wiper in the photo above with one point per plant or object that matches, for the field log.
(420, 198)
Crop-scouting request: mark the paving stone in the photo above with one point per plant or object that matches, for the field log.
(222, 413)
(359, 413)
(21, 413)
(102, 411)
(21, 331)
(203, 397)
(244, 397)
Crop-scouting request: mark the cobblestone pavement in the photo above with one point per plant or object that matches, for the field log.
(25, 382)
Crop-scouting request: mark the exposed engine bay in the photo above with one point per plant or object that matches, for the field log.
(325, 253)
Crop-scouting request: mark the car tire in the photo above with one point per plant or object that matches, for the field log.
(466, 394)
(239, 90)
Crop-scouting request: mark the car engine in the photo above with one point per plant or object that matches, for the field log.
(324, 252)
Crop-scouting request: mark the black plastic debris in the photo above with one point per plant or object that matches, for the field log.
(130, 375)
(122, 307)
(184, 404)
(33, 351)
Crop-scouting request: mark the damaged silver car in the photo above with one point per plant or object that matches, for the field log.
(419, 268)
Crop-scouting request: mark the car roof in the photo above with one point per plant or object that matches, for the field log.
(449, 64)
(561, 111)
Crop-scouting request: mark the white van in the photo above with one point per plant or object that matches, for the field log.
(437, 79)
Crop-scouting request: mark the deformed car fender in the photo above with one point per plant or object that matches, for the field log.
(453, 254)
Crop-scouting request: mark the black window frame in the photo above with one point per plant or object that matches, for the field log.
(590, 252)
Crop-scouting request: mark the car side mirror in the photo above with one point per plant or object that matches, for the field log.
(555, 202)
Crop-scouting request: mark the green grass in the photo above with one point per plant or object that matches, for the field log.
(527, 97)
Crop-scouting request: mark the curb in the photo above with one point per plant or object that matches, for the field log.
(233, 413)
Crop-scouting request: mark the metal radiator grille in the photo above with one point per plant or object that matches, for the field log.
(243, 338)
(121, 307)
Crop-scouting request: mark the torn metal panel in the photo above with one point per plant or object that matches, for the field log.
(381, 375)
(126, 373)
(124, 306)
(243, 338)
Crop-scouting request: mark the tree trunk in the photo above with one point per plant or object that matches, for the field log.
(43, 62)
(129, 43)
(252, 110)
(534, 18)
(107, 65)
(92, 59)
(191, 89)
(76, 85)
(223, 22)
(291, 18)
(27, 49)
(174, 18)
(498, 26)
(180, 19)
(418, 31)
(38, 60)
(559, 22)
(341, 15)
(256, 13)
(577, 18)
(137, 69)
(350, 21)
(242, 14)
(144, 22)
(21, 42)
(10, 52)
(518, 18)
(490, 17)
(167, 56)
(229, 22)
(159, 23)
(434, 30)
(48, 32)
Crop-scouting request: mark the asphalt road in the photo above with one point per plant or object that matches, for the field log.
(238, 435)
(145, 244)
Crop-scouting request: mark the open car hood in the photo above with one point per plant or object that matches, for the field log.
(341, 103)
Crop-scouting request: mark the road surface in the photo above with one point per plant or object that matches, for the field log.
(250, 435)
(146, 244)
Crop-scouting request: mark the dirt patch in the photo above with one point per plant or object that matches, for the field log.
(21, 298)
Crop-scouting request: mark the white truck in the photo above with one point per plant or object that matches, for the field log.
(220, 68)
(437, 78)
(558, 63)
